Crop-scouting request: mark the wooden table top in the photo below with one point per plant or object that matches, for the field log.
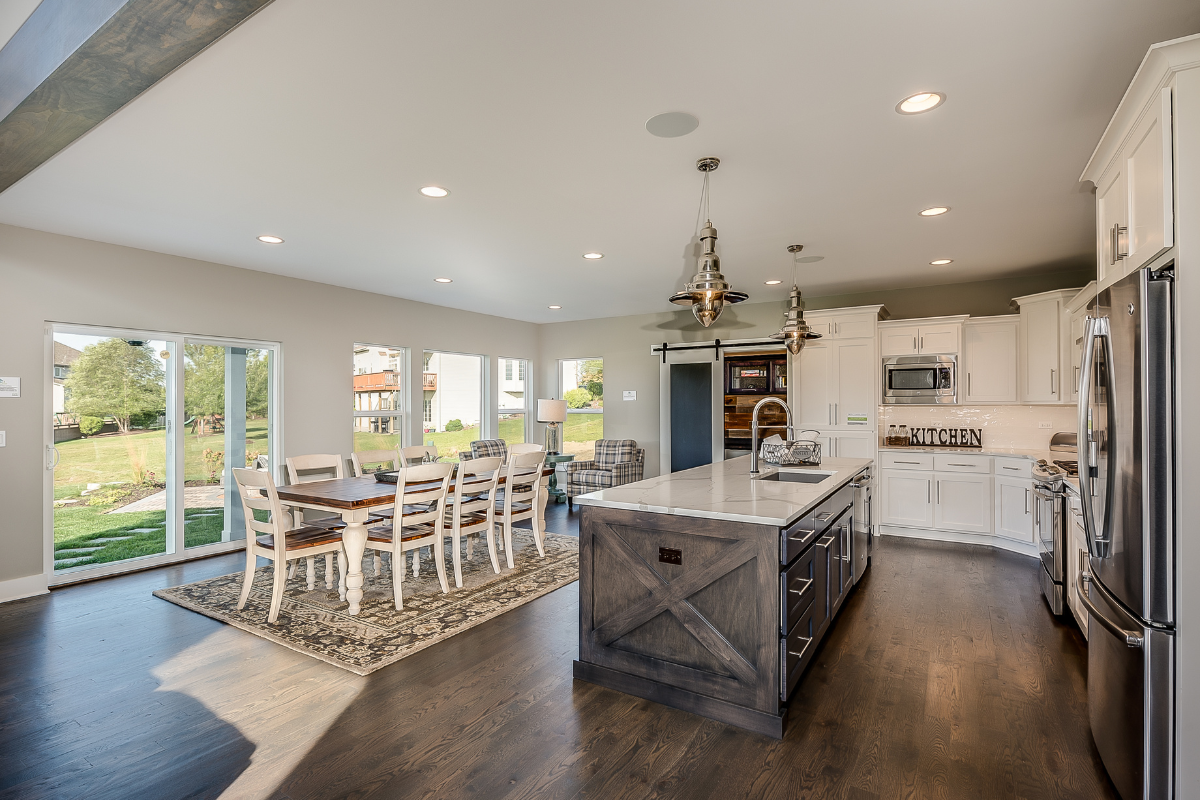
(365, 492)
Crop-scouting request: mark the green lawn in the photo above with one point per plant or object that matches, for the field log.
(78, 526)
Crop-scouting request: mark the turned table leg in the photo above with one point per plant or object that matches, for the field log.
(354, 539)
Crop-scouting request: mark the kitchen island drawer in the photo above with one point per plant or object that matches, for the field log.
(795, 651)
(798, 586)
(963, 463)
(1014, 467)
(890, 460)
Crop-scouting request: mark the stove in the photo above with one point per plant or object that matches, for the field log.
(1071, 468)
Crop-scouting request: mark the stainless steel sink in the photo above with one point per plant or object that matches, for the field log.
(796, 476)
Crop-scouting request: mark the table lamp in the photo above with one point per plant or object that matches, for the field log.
(552, 412)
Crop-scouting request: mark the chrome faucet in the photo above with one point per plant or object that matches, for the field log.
(754, 429)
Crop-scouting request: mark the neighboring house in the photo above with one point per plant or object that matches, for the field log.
(512, 385)
(378, 372)
(453, 389)
(64, 357)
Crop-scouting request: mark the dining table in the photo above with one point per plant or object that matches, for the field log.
(354, 498)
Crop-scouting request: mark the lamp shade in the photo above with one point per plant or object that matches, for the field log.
(552, 411)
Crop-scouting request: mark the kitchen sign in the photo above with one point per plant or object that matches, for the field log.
(945, 437)
(10, 387)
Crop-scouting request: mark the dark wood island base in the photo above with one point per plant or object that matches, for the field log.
(710, 616)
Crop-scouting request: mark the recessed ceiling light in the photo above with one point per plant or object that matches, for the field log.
(772, 283)
(443, 280)
(672, 124)
(593, 255)
(554, 308)
(434, 191)
(936, 211)
(920, 103)
(942, 261)
(270, 240)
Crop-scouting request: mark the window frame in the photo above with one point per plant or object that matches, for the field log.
(399, 412)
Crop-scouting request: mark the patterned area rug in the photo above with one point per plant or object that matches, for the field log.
(316, 623)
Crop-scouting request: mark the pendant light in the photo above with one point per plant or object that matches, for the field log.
(708, 291)
(795, 330)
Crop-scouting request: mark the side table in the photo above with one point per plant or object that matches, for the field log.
(557, 495)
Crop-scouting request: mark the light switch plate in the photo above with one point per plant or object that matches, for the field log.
(628, 395)
(2, 439)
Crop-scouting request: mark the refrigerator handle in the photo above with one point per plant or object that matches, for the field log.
(1131, 638)
(1093, 330)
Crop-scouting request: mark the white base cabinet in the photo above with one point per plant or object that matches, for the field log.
(963, 498)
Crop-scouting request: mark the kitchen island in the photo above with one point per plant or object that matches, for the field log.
(709, 590)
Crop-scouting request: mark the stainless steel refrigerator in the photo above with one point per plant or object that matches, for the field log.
(1127, 481)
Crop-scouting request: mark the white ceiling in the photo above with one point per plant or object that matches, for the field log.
(319, 121)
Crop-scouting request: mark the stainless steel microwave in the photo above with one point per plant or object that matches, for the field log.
(920, 380)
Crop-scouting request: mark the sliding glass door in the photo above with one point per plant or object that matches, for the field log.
(144, 430)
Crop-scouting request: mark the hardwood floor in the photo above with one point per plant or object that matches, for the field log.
(946, 676)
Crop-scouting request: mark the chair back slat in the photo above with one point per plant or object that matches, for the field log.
(306, 469)
(423, 484)
(360, 459)
(418, 452)
(524, 447)
(523, 479)
(475, 489)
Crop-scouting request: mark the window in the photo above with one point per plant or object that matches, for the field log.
(60, 372)
(513, 401)
(453, 396)
(582, 386)
(378, 397)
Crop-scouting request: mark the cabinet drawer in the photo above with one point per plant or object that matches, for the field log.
(797, 589)
(1014, 467)
(963, 463)
(896, 460)
(796, 650)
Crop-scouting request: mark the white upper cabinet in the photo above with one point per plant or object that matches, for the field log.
(837, 384)
(1041, 346)
(842, 323)
(990, 346)
(814, 406)
(1138, 160)
(938, 336)
(1072, 358)
(1151, 213)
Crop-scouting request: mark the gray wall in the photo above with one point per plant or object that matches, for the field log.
(624, 342)
(44, 277)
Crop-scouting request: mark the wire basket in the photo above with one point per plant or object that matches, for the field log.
(795, 453)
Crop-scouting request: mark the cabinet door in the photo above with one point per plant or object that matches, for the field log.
(854, 445)
(1148, 174)
(821, 325)
(938, 339)
(1073, 362)
(854, 326)
(907, 498)
(1041, 378)
(991, 362)
(1110, 214)
(899, 341)
(813, 389)
(1014, 509)
(855, 398)
(962, 502)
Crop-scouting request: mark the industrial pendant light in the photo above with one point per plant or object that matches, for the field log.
(795, 330)
(708, 291)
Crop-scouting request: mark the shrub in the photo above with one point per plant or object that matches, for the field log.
(578, 398)
(90, 426)
(109, 497)
(144, 420)
(454, 425)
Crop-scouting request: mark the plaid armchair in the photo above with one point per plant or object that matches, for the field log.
(617, 461)
(486, 448)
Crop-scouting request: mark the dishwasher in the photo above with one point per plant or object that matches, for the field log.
(860, 535)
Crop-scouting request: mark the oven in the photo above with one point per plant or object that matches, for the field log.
(920, 380)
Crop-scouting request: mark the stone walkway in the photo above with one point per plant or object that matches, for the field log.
(193, 497)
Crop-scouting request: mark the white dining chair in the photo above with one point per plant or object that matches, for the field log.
(416, 454)
(525, 447)
(307, 469)
(386, 459)
(421, 493)
(522, 493)
(271, 539)
(473, 510)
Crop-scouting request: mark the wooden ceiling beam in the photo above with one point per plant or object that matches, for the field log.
(73, 64)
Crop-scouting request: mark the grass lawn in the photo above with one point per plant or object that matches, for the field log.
(78, 526)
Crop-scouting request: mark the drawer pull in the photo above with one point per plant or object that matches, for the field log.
(918, 463)
(807, 583)
(1014, 469)
(824, 515)
(801, 535)
(962, 465)
(801, 653)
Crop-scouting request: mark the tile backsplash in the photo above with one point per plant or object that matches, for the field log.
(1003, 426)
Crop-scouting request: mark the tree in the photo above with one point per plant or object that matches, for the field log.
(257, 383)
(203, 382)
(113, 378)
(591, 377)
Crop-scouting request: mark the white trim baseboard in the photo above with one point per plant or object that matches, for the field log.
(963, 538)
(18, 588)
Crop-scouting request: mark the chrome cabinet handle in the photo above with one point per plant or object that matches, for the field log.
(922, 342)
(1119, 230)
(968, 384)
(1095, 329)
(939, 484)
(918, 463)
(824, 515)
(1051, 381)
(914, 344)
(1026, 501)
(807, 582)
(959, 465)
(1131, 638)
(1014, 469)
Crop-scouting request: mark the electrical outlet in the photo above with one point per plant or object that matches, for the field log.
(1044, 425)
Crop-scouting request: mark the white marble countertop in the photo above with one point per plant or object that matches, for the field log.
(725, 490)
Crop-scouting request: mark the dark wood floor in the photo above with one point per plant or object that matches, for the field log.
(946, 676)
